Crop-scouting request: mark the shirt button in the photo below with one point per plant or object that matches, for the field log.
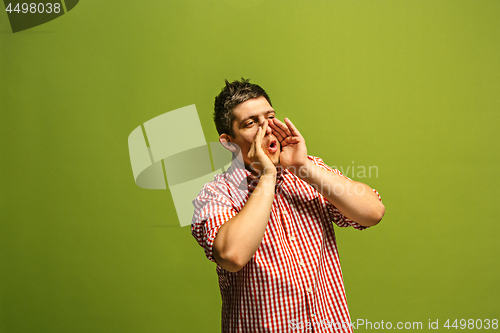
(301, 264)
(313, 315)
(309, 290)
(292, 238)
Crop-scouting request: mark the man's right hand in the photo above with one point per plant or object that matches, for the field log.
(261, 163)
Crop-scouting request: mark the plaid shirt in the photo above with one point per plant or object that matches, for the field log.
(293, 283)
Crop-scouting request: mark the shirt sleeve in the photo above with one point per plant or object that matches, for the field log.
(336, 216)
(211, 210)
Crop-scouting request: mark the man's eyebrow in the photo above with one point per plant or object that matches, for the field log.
(256, 115)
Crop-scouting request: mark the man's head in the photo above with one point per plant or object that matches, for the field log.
(239, 110)
(231, 95)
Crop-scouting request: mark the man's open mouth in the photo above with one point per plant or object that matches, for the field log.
(272, 146)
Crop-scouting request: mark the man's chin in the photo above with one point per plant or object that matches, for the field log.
(275, 158)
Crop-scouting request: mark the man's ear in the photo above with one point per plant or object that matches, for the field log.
(226, 142)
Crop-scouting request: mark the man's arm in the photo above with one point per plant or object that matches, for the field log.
(239, 238)
(355, 200)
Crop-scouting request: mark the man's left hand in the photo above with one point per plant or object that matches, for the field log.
(293, 154)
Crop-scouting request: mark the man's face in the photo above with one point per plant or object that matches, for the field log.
(249, 116)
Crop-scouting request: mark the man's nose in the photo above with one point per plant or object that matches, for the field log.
(269, 130)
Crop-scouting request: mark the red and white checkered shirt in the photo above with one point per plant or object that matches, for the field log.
(293, 283)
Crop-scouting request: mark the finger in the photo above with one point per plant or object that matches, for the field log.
(258, 138)
(290, 140)
(283, 127)
(252, 150)
(292, 128)
(261, 132)
(277, 131)
(279, 135)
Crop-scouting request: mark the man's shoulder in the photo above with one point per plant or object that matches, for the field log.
(218, 184)
(222, 191)
(223, 184)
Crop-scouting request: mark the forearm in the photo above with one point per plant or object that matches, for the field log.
(240, 237)
(357, 201)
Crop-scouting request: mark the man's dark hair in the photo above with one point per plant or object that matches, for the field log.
(231, 95)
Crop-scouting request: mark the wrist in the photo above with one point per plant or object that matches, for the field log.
(269, 171)
(267, 177)
(303, 171)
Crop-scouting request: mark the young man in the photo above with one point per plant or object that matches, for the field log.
(267, 222)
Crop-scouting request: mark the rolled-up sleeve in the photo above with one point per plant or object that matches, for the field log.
(211, 210)
(335, 215)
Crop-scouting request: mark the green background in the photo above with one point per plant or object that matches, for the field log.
(412, 87)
